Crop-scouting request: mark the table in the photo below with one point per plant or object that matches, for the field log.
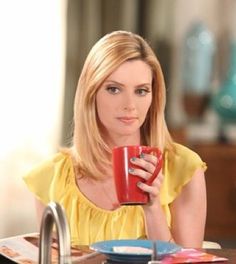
(227, 253)
(230, 254)
(100, 259)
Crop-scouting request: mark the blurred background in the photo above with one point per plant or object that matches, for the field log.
(43, 47)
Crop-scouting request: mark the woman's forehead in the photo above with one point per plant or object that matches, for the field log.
(134, 69)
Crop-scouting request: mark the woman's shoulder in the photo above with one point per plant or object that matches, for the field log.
(182, 154)
(51, 163)
(50, 176)
(58, 166)
(180, 164)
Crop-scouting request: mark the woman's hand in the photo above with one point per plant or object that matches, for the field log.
(147, 164)
(155, 219)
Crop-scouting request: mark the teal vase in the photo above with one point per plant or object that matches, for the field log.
(198, 53)
(224, 102)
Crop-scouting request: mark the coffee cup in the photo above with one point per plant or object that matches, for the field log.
(128, 193)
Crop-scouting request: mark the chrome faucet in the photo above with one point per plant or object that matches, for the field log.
(54, 214)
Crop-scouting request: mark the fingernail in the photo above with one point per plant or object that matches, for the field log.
(133, 159)
(142, 155)
(139, 183)
(131, 170)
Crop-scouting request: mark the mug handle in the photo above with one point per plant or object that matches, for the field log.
(158, 166)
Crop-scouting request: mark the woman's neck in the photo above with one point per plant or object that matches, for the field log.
(123, 140)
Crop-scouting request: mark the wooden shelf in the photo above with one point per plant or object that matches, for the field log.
(221, 189)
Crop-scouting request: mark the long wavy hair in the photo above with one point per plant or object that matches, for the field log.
(89, 149)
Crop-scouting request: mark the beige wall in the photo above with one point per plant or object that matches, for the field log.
(32, 52)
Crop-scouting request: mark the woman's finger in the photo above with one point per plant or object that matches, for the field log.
(148, 166)
(149, 157)
(141, 173)
(153, 189)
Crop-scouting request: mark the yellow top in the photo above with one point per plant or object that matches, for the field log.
(54, 180)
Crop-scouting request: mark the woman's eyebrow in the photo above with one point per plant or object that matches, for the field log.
(113, 81)
(145, 84)
(119, 83)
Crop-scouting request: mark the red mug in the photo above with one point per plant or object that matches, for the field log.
(128, 193)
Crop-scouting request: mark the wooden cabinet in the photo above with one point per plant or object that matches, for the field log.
(221, 190)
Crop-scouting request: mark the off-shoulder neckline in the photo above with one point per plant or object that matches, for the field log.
(83, 196)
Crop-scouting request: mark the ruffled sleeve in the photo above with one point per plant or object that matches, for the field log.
(179, 168)
(49, 179)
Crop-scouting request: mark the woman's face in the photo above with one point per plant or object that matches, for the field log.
(124, 99)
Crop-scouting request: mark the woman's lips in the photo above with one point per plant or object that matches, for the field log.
(127, 120)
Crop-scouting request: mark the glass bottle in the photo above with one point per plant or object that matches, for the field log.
(198, 53)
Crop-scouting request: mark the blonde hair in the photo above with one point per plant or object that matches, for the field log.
(89, 147)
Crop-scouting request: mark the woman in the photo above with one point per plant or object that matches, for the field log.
(120, 100)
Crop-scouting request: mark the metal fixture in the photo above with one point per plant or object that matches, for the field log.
(154, 259)
(54, 214)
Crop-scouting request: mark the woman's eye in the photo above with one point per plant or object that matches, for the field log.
(142, 91)
(113, 90)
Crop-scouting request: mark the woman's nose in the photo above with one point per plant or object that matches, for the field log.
(129, 103)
